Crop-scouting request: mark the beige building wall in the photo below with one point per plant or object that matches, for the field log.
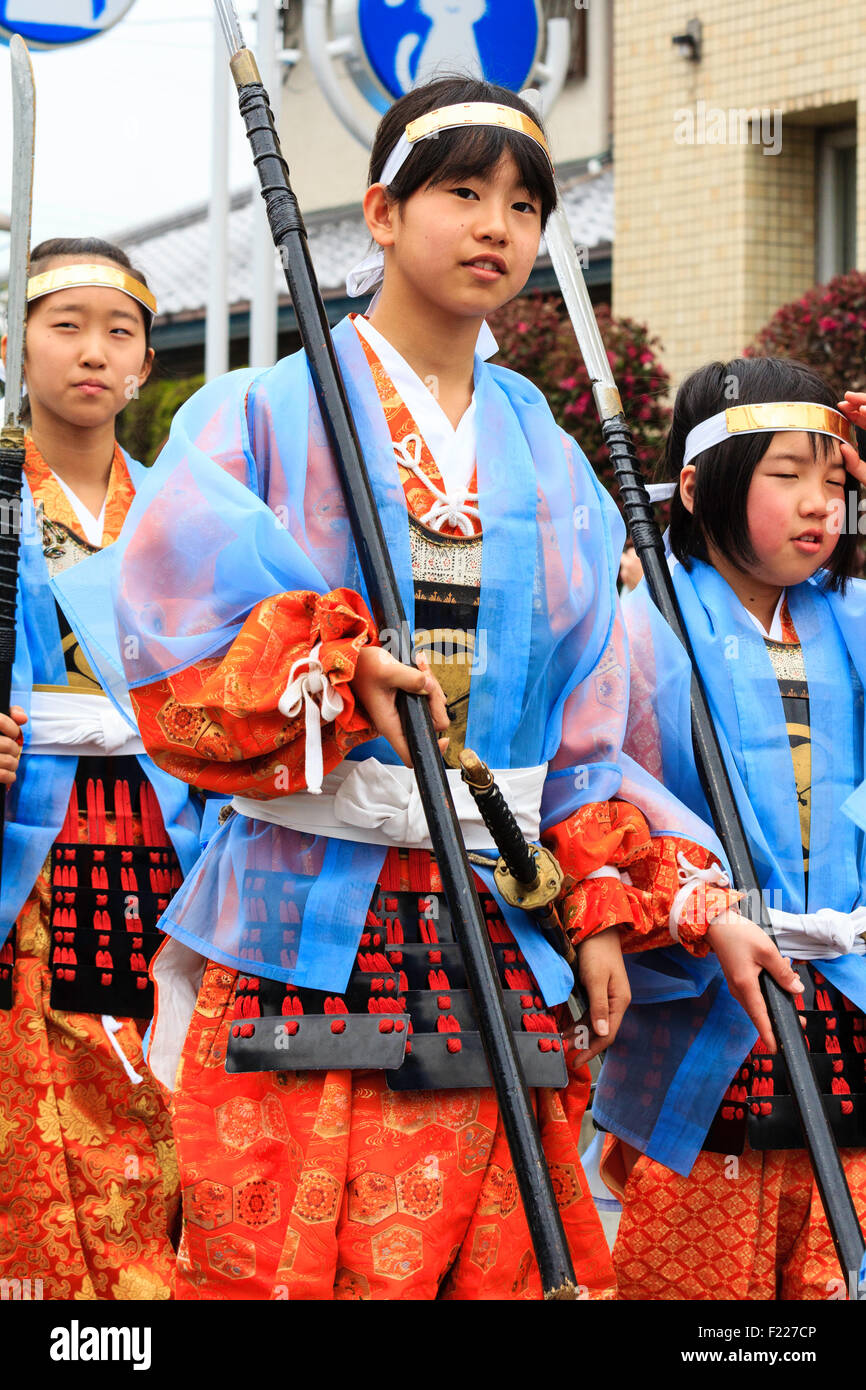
(329, 166)
(711, 238)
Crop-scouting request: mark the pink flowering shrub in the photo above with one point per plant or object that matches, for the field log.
(825, 328)
(536, 339)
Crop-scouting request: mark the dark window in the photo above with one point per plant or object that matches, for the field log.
(836, 193)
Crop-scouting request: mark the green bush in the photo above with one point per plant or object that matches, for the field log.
(143, 427)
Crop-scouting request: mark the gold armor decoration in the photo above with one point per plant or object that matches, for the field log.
(63, 549)
(451, 654)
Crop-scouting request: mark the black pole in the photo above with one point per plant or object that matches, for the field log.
(542, 1212)
(823, 1153)
(12, 455)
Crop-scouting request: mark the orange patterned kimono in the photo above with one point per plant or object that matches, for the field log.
(88, 1180)
(328, 1185)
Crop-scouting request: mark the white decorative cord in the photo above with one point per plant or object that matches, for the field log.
(299, 693)
(690, 876)
(450, 509)
(111, 1026)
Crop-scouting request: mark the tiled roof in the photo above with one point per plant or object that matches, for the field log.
(173, 253)
(588, 202)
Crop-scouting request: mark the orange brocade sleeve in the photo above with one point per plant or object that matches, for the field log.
(616, 834)
(217, 723)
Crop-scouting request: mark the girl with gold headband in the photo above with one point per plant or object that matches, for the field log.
(361, 1155)
(96, 835)
(719, 1200)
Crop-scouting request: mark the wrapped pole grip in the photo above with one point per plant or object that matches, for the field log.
(11, 473)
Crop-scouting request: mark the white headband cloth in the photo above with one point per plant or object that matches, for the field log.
(770, 418)
(478, 113)
(773, 417)
(661, 492)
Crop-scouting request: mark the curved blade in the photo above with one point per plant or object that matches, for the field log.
(24, 137)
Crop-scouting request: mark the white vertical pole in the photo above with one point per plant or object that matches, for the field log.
(263, 312)
(216, 352)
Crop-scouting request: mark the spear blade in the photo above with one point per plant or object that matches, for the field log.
(12, 448)
(24, 139)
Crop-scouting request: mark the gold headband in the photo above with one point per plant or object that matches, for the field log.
(790, 415)
(67, 277)
(476, 113)
(764, 419)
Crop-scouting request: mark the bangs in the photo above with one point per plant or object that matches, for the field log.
(471, 152)
(462, 152)
(822, 444)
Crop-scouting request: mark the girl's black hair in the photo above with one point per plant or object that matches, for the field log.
(724, 472)
(465, 152)
(58, 246)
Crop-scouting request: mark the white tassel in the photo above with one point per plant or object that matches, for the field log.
(299, 693)
(111, 1027)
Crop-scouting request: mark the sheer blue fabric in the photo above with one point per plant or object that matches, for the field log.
(37, 801)
(244, 503)
(682, 1010)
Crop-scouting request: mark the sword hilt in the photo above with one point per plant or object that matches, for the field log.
(499, 819)
(528, 876)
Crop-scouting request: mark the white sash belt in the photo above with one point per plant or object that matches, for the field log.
(822, 935)
(379, 804)
(78, 725)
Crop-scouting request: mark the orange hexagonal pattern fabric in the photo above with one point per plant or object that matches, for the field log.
(326, 1185)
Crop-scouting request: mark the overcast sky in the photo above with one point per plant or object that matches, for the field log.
(123, 122)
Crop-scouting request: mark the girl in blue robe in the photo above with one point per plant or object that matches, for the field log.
(96, 836)
(718, 1197)
(337, 1132)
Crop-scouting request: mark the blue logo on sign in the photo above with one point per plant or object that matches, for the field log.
(55, 23)
(408, 42)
